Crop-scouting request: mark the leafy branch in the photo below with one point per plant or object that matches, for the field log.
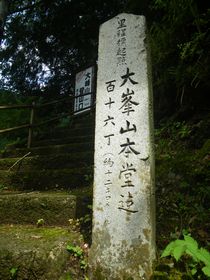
(189, 246)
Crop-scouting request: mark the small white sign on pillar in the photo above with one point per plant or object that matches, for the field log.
(84, 84)
(123, 245)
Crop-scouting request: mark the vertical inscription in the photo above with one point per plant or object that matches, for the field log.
(84, 84)
(121, 41)
(126, 149)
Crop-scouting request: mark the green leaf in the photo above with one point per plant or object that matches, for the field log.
(83, 264)
(68, 277)
(178, 251)
(13, 271)
(193, 254)
(76, 250)
(192, 247)
(206, 270)
(189, 246)
(191, 242)
(179, 242)
(204, 256)
(169, 248)
(194, 271)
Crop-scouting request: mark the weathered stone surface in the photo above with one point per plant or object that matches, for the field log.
(36, 253)
(124, 208)
(27, 208)
(79, 130)
(58, 179)
(45, 150)
(51, 161)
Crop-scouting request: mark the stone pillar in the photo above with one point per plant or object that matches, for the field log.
(123, 244)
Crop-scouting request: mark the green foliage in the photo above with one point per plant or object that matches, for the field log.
(175, 129)
(68, 31)
(12, 118)
(15, 117)
(13, 273)
(83, 224)
(65, 122)
(83, 264)
(89, 178)
(182, 182)
(61, 35)
(68, 277)
(86, 224)
(2, 187)
(89, 175)
(79, 253)
(180, 42)
(40, 222)
(189, 246)
(75, 250)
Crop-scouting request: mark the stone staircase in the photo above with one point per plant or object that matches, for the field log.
(42, 188)
(52, 160)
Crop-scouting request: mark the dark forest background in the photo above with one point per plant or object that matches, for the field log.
(45, 42)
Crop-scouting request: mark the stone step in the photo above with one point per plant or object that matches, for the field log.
(62, 133)
(37, 253)
(55, 179)
(55, 208)
(66, 140)
(52, 161)
(52, 149)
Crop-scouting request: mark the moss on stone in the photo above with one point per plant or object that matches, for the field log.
(45, 179)
(53, 161)
(65, 148)
(54, 208)
(37, 253)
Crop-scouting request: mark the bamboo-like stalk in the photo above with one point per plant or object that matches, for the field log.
(14, 128)
(30, 131)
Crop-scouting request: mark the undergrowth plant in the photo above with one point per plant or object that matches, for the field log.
(78, 253)
(40, 222)
(13, 273)
(189, 246)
